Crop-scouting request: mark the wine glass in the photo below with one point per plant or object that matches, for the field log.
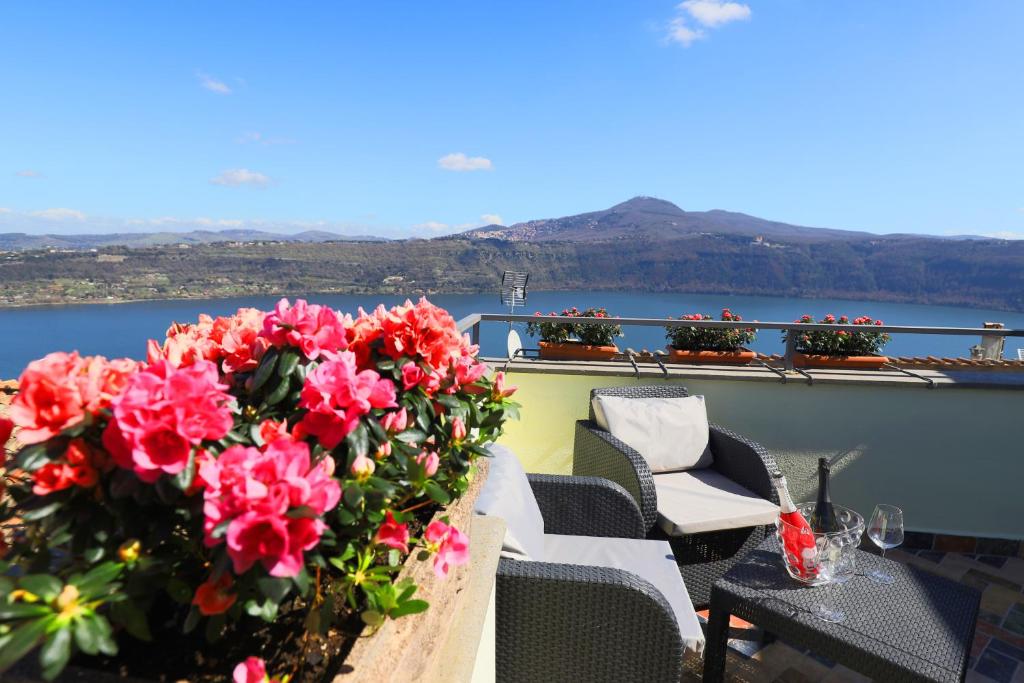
(836, 567)
(885, 529)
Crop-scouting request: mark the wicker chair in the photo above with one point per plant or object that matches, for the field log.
(572, 622)
(702, 557)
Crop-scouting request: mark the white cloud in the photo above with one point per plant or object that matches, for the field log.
(708, 14)
(255, 138)
(59, 214)
(212, 84)
(712, 13)
(679, 32)
(458, 161)
(236, 177)
(1005, 235)
(4, 209)
(28, 173)
(433, 226)
(491, 218)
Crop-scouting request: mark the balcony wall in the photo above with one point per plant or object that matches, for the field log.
(951, 457)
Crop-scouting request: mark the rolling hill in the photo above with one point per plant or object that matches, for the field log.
(20, 241)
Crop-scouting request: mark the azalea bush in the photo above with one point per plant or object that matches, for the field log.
(840, 343)
(257, 464)
(591, 334)
(709, 338)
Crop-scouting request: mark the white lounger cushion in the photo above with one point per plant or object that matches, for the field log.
(697, 501)
(507, 494)
(650, 560)
(670, 433)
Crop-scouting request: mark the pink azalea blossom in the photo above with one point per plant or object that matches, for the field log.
(318, 331)
(422, 332)
(252, 670)
(392, 534)
(451, 547)
(458, 429)
(165, 412)
(430, 462)
(395, 422)
(362, 467)
(337, 394)
(254, 491)
(500, 391)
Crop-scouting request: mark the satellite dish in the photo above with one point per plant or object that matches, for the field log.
(515, 344)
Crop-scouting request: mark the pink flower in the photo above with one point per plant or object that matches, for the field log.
(272, 430)
(430, 462)
(395, 422)
(362, 467)
(412, 375)
(317, 331)
(458, 429)
(252, 670)
(392, 534)
(163, 414)
(6, 427)
(422, 332)
(500, 391)
(337, 395)
(450, 545)
(254, 491)
(233, 342)
(59, 390)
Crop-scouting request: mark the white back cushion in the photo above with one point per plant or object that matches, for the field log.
(507, 494)
(670, 433)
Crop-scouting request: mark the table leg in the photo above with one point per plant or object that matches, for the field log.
(717, 640)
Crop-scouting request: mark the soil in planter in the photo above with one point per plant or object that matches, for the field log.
(173, 656)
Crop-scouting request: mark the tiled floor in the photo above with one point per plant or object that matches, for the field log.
(997, 654)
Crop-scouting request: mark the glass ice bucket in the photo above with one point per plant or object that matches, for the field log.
(835, 553)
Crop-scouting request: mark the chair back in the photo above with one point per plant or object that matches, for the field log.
(638, 391)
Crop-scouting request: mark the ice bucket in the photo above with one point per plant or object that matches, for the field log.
(838, 548)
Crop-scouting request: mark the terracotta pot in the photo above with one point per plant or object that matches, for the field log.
(576, 351)
(737, 357)
(803, 360)
(406, 649)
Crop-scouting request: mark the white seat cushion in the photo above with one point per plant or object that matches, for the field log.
(670, 433)
(697, 501)
(650, 560)
(507, 494)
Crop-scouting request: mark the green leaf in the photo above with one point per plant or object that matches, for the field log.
(353, 496)
(413, 436)
(31, 458)
(38, 513)
(302, 581)
(252, 608)
(215, 628)
(254, 434)
(372, 618)
(286, 365)
(279, 392)
(265, 370)
(191, 621)
(436, 493)
(184, 479)
(91, 555)
(97, 578)
(19, 642)
(409, 607)
(55, 653)
(45, 586)
(179, 591)
(358, 440)
(131, 616)
(274, 588)
(269, 611)
(386, 365)
(20, 610)
(87, 635)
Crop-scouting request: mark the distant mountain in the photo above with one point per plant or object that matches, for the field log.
(649, 218)
(19, 241)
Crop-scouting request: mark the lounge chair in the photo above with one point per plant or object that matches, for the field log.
(710, 516)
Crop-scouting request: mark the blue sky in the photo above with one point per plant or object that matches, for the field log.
(425, 118)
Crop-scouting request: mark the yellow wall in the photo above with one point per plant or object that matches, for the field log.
(952, 458)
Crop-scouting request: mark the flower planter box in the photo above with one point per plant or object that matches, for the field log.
(406, 649)
(803, 360)
(576, 351)
(737, 357)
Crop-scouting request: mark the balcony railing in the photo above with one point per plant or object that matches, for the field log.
(471, 323)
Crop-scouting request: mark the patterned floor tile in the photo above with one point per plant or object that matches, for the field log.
(996, 666)
(1004, 648)
(1014, 620)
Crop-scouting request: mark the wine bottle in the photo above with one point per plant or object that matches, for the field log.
(823, 519)
(797, 538)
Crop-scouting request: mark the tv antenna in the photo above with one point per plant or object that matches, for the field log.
(513, 293)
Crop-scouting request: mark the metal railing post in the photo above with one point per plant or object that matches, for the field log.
(790, 351)
(474, 333)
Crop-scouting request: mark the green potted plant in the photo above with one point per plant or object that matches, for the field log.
(710, 345)
(576, 341)
(839, 349)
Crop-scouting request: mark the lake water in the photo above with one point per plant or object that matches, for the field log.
(122, 329)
